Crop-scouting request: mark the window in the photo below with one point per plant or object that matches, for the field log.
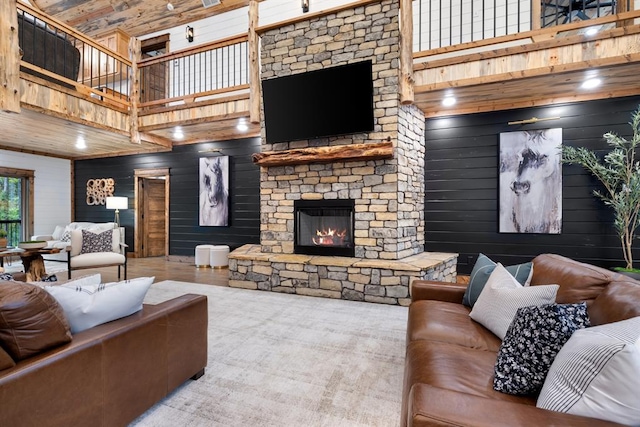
(16, 204)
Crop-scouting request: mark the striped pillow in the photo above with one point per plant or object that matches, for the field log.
(483, 268)
(503, 296)
(597, 374)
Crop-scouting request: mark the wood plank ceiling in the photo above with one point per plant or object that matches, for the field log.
(136, 17)
(140, 17)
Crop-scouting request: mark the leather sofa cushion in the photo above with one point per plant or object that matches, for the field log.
(5, 360)
(578, 281)
(31, 320)
(448, 323)
(455, 368)
(619, 301)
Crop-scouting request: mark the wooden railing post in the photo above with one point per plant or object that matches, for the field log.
(254, 64)
(135, 53)
(10, 54)
(536, 18)
(406, 52)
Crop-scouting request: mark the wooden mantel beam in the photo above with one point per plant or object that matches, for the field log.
(10, 63)
(334, 153)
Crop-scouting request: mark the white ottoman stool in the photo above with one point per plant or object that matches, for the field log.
(219, 257)
(202, 255)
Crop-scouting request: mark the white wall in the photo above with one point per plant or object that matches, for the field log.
(52, 192)
(237, 21)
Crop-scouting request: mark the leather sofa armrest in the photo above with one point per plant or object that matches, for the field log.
(440, 291)
(434, 406)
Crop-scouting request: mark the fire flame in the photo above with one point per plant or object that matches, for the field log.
(329, 237)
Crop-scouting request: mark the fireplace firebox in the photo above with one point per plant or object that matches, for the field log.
(324, 227)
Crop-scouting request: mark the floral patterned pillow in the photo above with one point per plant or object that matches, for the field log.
(533, 339)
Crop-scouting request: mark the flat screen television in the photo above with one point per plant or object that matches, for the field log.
(329, 102)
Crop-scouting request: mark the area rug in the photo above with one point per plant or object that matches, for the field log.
(289, 360)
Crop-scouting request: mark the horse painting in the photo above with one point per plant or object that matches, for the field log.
(531, 182)
(214, 191)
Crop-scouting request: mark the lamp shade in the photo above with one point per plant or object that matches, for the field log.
(117, 203)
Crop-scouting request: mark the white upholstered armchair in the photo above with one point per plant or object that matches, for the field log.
(94, 249)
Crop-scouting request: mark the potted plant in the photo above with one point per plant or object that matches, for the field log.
(619, 173)
(3, 238)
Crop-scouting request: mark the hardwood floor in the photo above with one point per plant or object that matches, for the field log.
(162, 270)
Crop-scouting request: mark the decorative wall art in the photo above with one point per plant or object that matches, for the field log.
(531, 182)
(214, 191)
(98, 189)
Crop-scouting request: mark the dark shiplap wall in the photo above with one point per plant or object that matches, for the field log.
(461, 209)
(184, 231)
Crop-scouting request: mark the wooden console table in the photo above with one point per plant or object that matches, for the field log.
(31, 260)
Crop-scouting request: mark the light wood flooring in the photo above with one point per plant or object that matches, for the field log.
(161, 269)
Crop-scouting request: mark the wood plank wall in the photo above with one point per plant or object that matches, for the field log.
(184, 233)
(461, 207)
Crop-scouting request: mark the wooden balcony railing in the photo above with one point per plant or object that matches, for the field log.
(527, 41)
(56, 52)
(204, 71)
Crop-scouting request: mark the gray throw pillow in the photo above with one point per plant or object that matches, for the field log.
(483, 268)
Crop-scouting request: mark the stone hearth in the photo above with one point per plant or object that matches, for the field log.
(358, 279)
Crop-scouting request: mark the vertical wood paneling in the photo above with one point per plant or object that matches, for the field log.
(461, 206)
(184, 231)
(52, 196)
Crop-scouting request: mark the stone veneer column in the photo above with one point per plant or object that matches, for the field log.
(410, 155)
(389, 194)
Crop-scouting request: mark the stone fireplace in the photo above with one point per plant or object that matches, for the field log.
(385, 251)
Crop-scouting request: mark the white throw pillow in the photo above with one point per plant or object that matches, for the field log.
(87, 306)
(501, 298)
(89, 279)
(597, 374)
(57, 233)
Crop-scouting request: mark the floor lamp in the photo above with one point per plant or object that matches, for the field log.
(117, 203)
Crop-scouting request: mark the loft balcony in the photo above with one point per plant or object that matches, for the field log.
(495, 56)
(489, 55)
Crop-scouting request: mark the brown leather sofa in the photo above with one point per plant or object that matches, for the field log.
(449, 366)
(110, 374)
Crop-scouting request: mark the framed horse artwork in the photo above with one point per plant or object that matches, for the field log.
(531, 182)
(214, 191)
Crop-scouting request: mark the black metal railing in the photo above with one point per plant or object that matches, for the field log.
(208, 69)
(13, 228)
(55, 52)
(560, 12)
(442, 23)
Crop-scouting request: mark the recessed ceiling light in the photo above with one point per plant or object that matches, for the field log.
(591, 31)
(591, 83)
(169, 6)
(449, 101)
(242, 126)
(80, 143)
(177, 133)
